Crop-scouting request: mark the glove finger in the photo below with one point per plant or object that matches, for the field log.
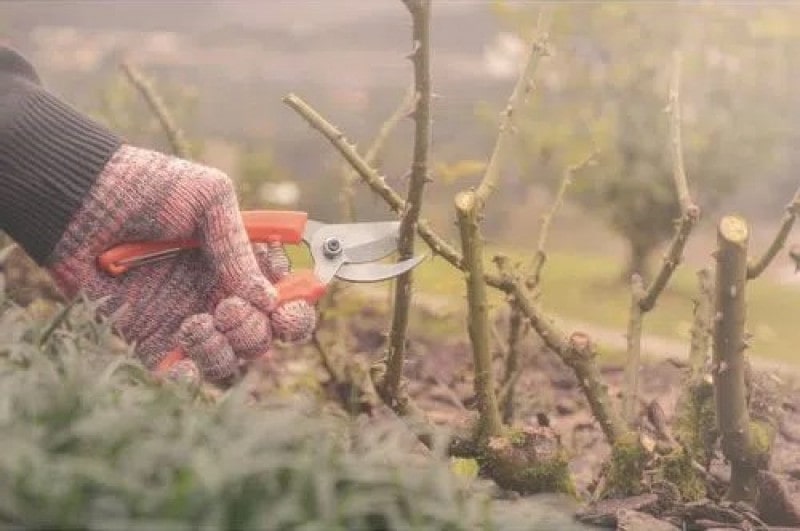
(259, 292)
(246, 328)
(207, 347)
(272, 260)
(226, 241)
(294, 321)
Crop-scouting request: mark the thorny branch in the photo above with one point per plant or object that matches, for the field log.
(389, 388)
(175, 136)
(523, 87)
(512, 365)
(578, 353)
(467, 211)
(690, 213)
(546, 220)
(678, 169)
(583, 363)
(516, 330)
(701, 325)
(754, 269)
(644, 299)
(335, 292)
(325, 357)
(378, 184)
(350, 176)
(634, 353)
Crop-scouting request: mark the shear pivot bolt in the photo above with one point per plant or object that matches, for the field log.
(332, 247)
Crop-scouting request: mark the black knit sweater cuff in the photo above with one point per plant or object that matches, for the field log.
(50, 156)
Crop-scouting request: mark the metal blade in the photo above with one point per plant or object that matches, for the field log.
(376, 272)
(371, 251)
(350, 234)
(353, 234)
(326, 269)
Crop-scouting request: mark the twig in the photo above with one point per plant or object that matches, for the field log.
(469, 209)
(350, 176)
(512, 365)
(634, 351)
(175, 136)
(420, 56)
(489, 424)
(597, 393)
(378, 184)
(57, 321)
(794, 255)
(690, 213)
(644, 299)
(524, 85)
(672, 258)
(678, 169)
(578, 353)
(792, 209)
(547, 219)
(497, 338)
(516, 331)
(325, 358)
(701, 326)
(657, 417)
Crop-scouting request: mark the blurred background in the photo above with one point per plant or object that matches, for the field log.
(223, 67)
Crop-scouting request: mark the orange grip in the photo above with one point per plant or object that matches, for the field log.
(169, 361)
(262, 226)
(267, 226)
(114, 260)
(300, 285)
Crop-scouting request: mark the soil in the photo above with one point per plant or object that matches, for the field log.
(439, 379)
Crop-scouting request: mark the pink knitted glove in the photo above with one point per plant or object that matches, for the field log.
(217, 303)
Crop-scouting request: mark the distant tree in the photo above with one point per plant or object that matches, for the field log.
(606, 85)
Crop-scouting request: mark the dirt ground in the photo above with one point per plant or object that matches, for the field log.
(439, 376)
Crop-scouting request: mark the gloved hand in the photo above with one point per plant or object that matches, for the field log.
(217, 303)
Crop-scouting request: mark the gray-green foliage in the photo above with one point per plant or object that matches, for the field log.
(90, 440)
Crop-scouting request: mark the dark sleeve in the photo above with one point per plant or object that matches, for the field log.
(50, 155)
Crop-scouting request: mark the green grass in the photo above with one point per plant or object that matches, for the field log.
(584, 288)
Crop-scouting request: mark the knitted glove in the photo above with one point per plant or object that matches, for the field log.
(217, 303)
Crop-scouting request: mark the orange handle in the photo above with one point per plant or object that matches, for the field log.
(262, 226)
(267, 226)
(299, 285)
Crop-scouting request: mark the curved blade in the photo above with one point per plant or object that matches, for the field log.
(376, 272)
(326, 269)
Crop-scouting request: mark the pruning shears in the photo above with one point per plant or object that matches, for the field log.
(348, 251)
